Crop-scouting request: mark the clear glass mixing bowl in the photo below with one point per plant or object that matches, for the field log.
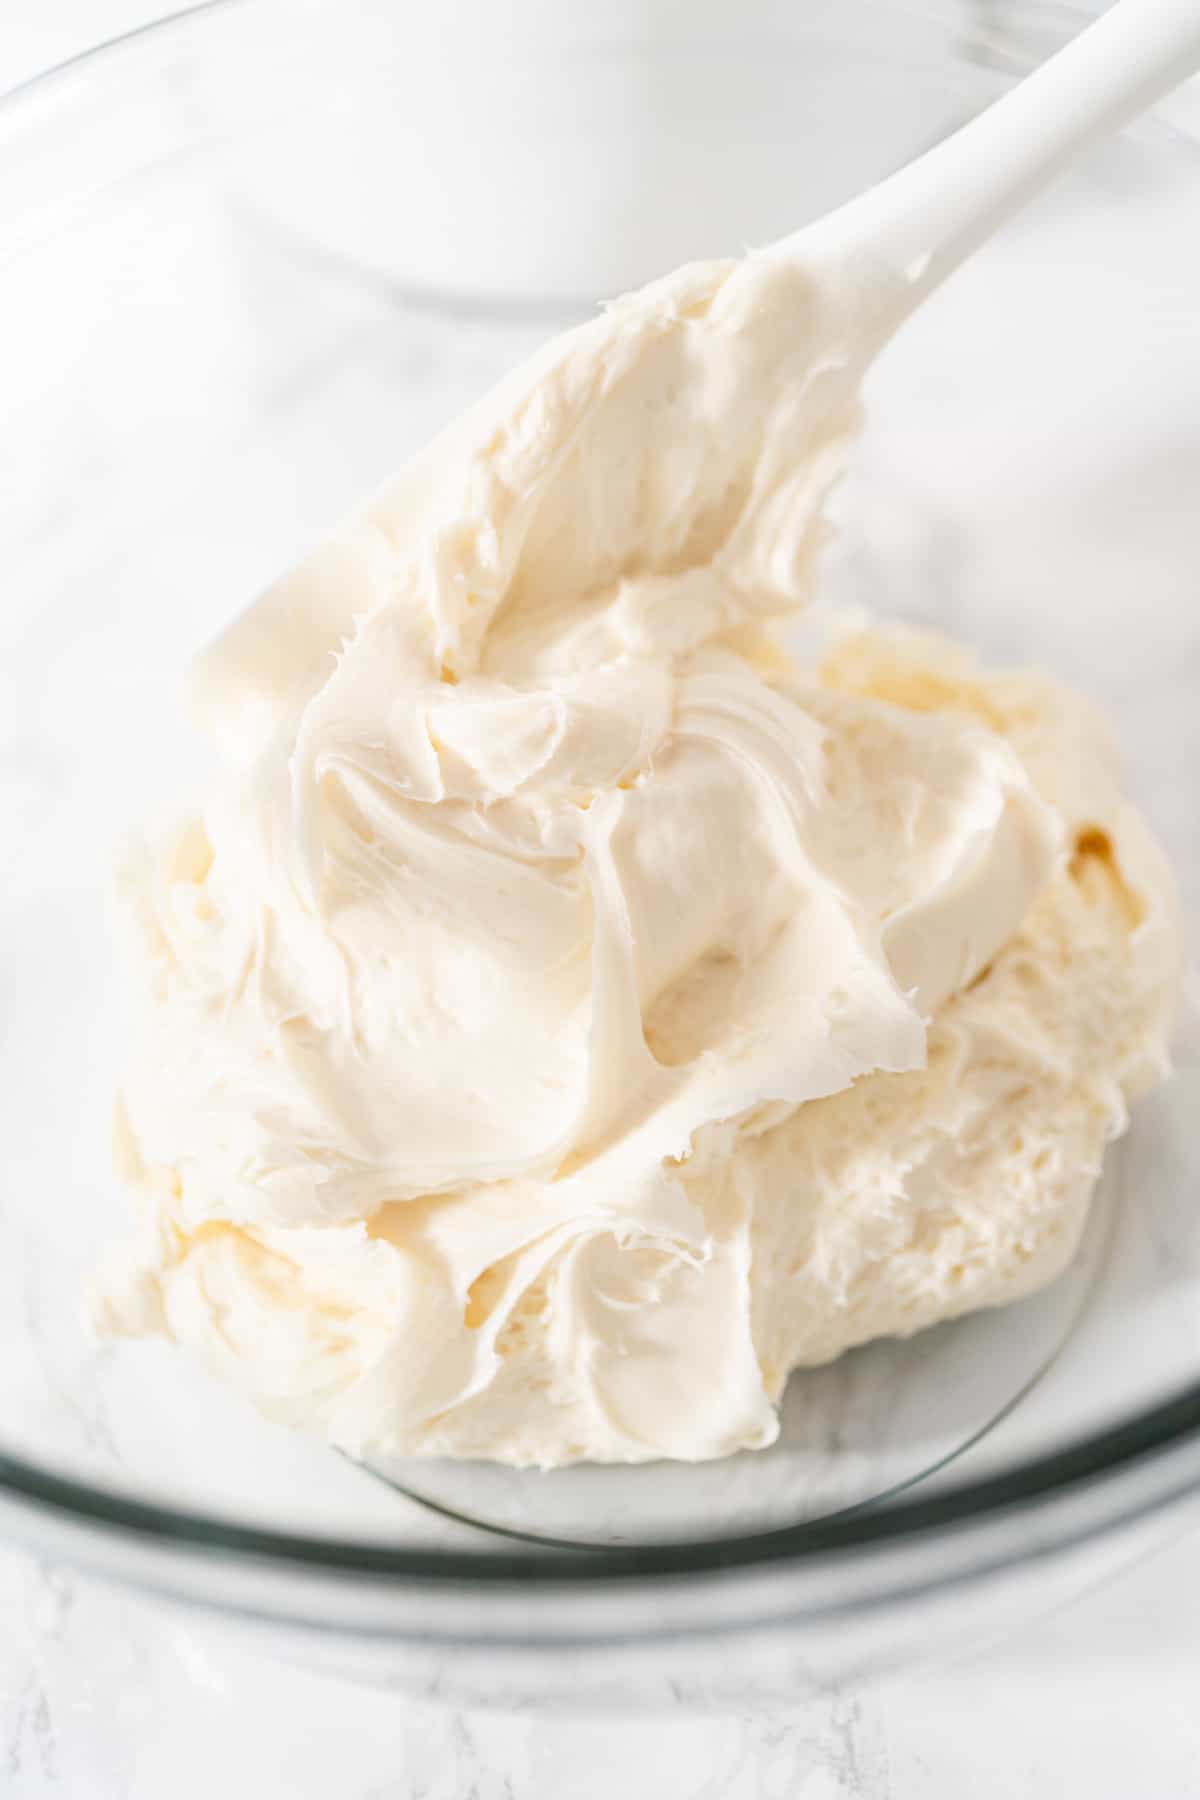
(248, 260)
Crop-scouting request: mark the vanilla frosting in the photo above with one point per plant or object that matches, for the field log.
(565, 1015)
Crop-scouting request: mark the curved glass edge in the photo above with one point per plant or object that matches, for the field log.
(32, 85)
(1138, 1440)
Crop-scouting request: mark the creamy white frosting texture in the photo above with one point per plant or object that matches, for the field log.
(564, 1016)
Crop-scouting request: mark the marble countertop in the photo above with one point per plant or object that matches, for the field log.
(104, 1696)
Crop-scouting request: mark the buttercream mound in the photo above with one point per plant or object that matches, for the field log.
(565, 1016)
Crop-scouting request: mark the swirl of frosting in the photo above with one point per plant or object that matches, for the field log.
(565, 1016)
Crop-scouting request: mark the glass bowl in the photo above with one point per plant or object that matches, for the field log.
(250, 259)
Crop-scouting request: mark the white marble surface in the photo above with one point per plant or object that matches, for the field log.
(106, 1697)
(101, 1699)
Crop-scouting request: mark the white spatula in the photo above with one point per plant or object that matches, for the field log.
(901, 239)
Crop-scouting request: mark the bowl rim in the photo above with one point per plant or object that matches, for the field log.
(1137, 1442)
(32, 86)
(1144, 1441)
